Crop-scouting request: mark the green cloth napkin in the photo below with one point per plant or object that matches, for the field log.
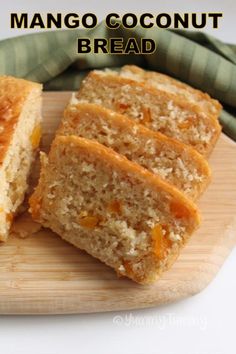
(193, 57)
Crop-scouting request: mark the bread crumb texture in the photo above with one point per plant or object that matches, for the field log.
(168, 84)
(158, 109)
(173, 161)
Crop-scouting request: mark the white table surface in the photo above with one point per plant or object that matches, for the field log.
(203, 324)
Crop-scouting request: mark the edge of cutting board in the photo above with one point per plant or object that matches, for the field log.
(45, 275)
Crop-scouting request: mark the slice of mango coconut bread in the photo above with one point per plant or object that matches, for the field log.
(112, 208)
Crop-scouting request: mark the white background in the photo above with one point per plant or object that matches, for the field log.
(203, 324)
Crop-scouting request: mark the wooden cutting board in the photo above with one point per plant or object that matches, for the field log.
(42, 274)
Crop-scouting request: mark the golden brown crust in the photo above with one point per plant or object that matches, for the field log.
(35, 199)
(13, 93)
(211, 106)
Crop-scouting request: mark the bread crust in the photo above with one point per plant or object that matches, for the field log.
(13, 93)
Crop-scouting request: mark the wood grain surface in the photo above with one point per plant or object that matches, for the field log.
(41, 274)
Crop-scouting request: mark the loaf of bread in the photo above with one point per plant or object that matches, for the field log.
(175, 162)
(112, 208)
(20, 118)
(170, 85)
(159, 110)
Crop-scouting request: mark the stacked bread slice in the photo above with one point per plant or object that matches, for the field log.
(167, 158)
(20, 131)
(122, 171)
(160, 110)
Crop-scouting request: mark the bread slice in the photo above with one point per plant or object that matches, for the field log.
(20, 118)
(112, 208)
(168, 84)
(158, 110)
(175, 162)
